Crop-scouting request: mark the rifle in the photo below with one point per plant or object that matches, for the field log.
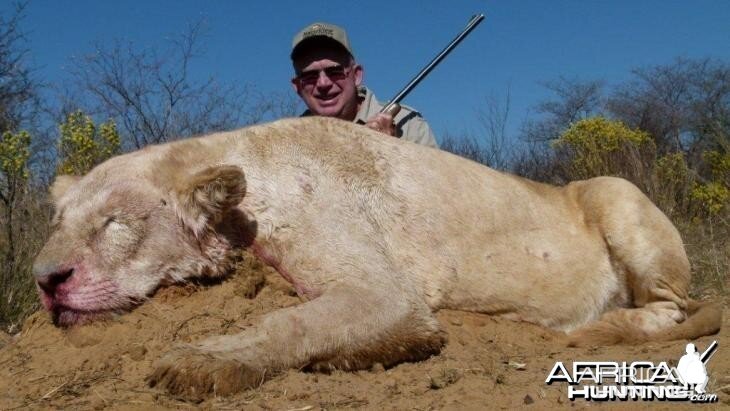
(393, 106)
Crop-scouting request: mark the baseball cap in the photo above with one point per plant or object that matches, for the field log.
(321, 31)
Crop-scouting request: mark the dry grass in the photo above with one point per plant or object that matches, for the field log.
(708, 249)
(18, 297)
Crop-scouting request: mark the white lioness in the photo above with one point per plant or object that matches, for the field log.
(375, 234)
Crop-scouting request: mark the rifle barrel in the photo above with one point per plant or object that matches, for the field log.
(475, 20)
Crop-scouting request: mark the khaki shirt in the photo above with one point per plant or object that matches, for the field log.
(409, 124)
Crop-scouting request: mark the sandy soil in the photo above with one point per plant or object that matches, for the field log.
(489, 363)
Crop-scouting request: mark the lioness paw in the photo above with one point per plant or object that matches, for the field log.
(195, 374)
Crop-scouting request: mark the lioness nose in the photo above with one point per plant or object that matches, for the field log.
(49, 282)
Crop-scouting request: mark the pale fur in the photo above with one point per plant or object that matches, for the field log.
(375, 234)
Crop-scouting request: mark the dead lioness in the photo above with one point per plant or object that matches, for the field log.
(375, 234)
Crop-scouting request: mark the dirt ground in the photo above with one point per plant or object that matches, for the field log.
(488, 363)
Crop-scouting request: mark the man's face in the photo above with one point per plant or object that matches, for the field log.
(327, 81)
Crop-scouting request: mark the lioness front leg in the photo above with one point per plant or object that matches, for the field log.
(348, 327)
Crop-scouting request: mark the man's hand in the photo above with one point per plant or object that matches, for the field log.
(382, 122)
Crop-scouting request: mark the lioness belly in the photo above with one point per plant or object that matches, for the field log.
(554, 278)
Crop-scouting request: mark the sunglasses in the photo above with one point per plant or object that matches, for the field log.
(334, 73)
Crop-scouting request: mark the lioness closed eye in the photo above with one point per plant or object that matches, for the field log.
(375, 235)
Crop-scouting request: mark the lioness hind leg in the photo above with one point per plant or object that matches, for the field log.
(348, 327)
(647, 248)
(642, 241)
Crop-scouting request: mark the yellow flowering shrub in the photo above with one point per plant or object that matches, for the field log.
(672, 169)
(14, 155)
(714, 195)
(82, 145)
(598, 146)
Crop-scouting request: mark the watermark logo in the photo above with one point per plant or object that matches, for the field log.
(638, 380)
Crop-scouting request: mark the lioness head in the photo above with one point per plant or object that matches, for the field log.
(118, 233)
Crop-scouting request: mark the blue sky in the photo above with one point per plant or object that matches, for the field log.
(520, 44)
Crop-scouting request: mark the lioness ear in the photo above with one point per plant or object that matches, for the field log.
(61, 185)
(204, 198)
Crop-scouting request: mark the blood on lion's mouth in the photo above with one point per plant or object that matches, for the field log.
(74, 306)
